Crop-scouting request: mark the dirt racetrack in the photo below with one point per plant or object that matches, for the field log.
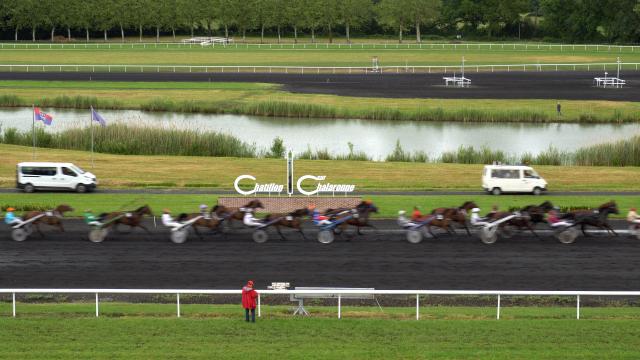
(382, 259)
(563, 85)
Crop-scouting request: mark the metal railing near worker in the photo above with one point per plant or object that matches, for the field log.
(400, 69)
(336, 292)
(328, 46)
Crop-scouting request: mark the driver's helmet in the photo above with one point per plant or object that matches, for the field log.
(203, 207)
(475, 210)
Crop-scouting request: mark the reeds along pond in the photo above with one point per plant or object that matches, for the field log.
(145, 139)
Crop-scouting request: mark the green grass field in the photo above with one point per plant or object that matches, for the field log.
(205, 331)
(270, 100)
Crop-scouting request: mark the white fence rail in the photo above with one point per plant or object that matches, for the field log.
(333, 46)
(147, 68)
(336, 292)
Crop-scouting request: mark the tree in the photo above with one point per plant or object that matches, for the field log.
(394, 14)
(294, 15)
(140, 14)
(158, 15)
(85, 12)
(245, 17)
(105, 17)
(330, 16)
(189, 13)
(423, 11)
(353, 13)
(226, 13)
(312, 16)
(263, 16)
(18, 15)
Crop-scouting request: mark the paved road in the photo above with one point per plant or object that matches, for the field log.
(381, 259)
(569, 85)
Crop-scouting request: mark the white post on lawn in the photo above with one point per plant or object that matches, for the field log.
(418, 307)
(578, 308)
(14, 305)
(97, 313)
(618, 75)
(178, 304)
(339, 306)
(259, 312)
(498, 312)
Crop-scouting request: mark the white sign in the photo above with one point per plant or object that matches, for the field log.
(277, 188)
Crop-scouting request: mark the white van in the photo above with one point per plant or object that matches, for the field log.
(497, 179)
(32, 176)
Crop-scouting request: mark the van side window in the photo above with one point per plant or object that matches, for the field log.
(68, 172)
(530, 174)
(505, 174)
(39, 171)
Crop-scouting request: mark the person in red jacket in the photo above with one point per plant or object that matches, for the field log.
(249, 296)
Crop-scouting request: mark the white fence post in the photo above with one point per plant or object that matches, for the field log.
(339, 306)
(417, 306)
(14, 305)
(578, 308)
(259, 311)
(97, 308)
(498, 312)
(178, 304)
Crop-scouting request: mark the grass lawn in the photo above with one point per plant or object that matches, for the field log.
(309, 56)
(247, 97)
(205, 331)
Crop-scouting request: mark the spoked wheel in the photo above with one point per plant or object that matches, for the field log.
(568, 236)
(19, 234)
(179, 236)
(489, 235)
(326, 236)
(98, 235)
(414, 236)
(260, 236)
(508, 231)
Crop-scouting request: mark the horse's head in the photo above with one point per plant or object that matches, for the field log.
(610, 207)
(300, 213)
(546, 206)
(63, 208)
(468, 205)
(144, 210)
(255, 204)
(367, 206)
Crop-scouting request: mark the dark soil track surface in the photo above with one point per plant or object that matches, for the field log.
(381, 259)
(565, 85)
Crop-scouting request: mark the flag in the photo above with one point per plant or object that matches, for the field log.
(41, 116)
(97, 117)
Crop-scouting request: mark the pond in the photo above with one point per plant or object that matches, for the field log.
(376, 138)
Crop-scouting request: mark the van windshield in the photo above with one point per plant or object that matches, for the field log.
(77, 169)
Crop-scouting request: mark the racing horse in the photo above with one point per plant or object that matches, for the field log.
(51, 218)
(537, 213)
(211, 220)
(291, 220)
(230, 214)
(454, 216)
(358, 216)
(520, 222)
(596, 218)
(132, 219)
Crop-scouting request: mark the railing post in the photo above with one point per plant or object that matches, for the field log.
(339, 306)
(97, 308)
(417, 306)
(498, 312)
(178, 304)
(259, 312)
(578, 308)
(14, 305)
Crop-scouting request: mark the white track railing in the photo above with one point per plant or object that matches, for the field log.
(336, 293)
(145, 68)
(333, 46)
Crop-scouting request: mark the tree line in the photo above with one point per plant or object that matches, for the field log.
(566, 20)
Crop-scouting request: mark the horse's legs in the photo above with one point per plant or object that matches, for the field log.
(582, 226)
(280, 233)
(431, 232)
(37, 225)
(195, 230)
(302, 232)
(610, 229)
(60, 226)
(141, 226)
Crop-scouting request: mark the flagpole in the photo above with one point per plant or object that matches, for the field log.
(33, 128)
(91, 121)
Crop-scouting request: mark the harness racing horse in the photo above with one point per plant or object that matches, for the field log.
(597, 218)
(51, 218)
(537, 212)
(132, 219)
(211, 220)
(291, 220)
(230, 214)
(358, 217)
(520, 222)
(453, 216)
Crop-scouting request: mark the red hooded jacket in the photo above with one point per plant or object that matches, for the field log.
(249, 297)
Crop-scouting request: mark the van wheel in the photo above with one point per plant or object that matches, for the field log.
(81, 188)
(496, 191)
(29, 188)
(537, 191)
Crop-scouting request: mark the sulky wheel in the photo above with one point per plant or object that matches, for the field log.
(489, 235)
(179, 236)
(260, 236)
(28, 228)
(568, 236)
(98, 235)
(326, 236)
(19, 234)
(414, 236)
(507, 231)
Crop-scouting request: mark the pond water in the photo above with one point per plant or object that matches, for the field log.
(376, 138)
